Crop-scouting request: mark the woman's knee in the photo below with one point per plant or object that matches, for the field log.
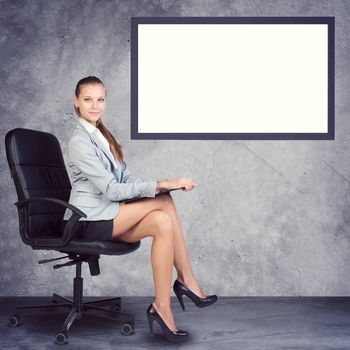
(162, 224)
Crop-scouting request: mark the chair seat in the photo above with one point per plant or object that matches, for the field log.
(83, 246)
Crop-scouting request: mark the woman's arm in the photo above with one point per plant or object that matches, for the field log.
(163, 185)
(82, 153)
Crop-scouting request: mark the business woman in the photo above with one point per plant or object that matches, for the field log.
(101, 182)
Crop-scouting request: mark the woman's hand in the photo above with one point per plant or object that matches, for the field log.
(187, 184)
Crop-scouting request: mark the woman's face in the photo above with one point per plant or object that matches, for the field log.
(91, 102)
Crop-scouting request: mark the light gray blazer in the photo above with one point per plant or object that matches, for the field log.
(99, 182)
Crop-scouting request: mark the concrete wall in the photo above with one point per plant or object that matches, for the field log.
(267, 218)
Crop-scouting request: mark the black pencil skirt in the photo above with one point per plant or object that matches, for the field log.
(94, 230)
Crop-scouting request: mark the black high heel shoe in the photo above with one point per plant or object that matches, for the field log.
(180, 290)
(153, 315)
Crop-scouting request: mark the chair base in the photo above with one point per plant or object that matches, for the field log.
(105, 308)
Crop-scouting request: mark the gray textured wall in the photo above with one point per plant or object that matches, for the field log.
(267, 218)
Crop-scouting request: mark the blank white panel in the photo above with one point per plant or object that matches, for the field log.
(232, 78)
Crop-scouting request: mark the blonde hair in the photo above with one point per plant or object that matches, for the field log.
(115, 147)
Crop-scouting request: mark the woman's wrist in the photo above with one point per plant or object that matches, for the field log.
(161, 185)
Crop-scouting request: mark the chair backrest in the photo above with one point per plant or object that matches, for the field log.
(38, 170)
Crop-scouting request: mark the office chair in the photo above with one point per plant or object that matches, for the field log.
(43, 188)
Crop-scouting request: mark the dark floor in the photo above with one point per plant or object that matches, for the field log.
(242, 323)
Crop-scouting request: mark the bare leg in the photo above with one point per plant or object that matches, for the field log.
(158, 225)
(181, 259)
(129, 226)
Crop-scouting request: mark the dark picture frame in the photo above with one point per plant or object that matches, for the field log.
(328, 134)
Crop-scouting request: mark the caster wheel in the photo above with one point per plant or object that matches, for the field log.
(128, 328)
(14, 320)
(61, 337)
(115, 308)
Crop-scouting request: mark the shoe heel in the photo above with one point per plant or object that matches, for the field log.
(179, 297)
(150, 323)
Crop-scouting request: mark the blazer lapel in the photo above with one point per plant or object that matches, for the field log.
(94, 138)
(99, 143)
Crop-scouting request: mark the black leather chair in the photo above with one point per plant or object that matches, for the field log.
(43, 188)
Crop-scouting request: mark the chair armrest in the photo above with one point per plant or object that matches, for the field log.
(53, 200)
(48, 242)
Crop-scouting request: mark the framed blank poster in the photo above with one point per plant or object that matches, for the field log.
(262, 78)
